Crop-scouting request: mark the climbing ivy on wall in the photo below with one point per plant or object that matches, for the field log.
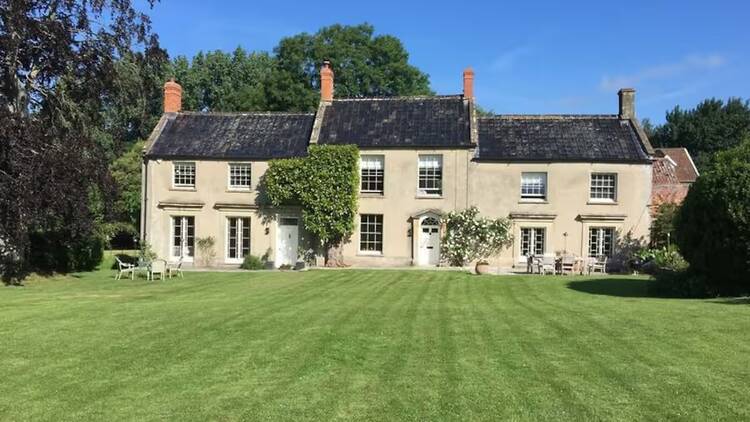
(324, 185)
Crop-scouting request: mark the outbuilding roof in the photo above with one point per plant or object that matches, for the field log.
(572, 138)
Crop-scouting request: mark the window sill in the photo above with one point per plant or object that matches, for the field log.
(594, 202)
(239, 190)
(371, 195)
(533, 201)
(370, 254)
(418, 196)
(183, 188)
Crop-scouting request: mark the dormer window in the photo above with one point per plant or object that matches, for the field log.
(183, 174)
(239, 176)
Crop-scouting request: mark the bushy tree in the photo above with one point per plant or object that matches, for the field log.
(364, 64)
(324, 185)
(713, 224)
(711, 126)
(58, 65)
(469, 237)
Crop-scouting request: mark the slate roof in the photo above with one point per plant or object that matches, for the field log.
(233, 135)
(685, 169)
(409, 122)
(572, 138)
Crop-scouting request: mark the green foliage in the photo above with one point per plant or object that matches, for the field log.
(469, 237)
(678, 284)
(364, 64)
(252, 262)
(662, 225)
(126, 174)
(710, 127)
(713, 224)
(324, 185)
(146, 253)
(219, 81)
(656, 259)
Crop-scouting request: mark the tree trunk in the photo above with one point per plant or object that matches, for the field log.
(335, 256)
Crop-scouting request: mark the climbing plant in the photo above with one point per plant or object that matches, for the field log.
(324, 185)
(469, 237)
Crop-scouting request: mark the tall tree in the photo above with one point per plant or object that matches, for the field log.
(218, 81)
(58, 68)
(710, 127)
(364, 64)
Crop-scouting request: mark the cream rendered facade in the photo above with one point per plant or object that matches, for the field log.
(566, 214)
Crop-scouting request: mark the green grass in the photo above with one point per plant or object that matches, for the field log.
(375, 345)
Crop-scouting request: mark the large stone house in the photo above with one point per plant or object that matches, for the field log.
(569, 183)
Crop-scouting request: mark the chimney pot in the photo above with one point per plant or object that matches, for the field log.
(326, 82)
(469, 83)
(172, 96)
(627, 103)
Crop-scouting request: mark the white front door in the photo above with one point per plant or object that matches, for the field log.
(429, 242)
(287, 240)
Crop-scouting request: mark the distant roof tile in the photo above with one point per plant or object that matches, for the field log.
(581, 138)
(414, 122)
(685, 169)
(234, 135)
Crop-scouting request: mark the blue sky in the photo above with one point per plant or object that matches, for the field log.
(529, 57)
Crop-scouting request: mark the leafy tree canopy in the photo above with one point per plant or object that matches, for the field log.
(711, 126)
(57, 73)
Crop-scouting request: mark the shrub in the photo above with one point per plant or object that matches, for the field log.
(206, 250)
(145, 253)
(661, 259)
(252, 262)
(712, 227)
(683, 284)
(469, 237)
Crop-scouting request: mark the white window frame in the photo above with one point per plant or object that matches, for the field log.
(231, 186)
(533, 232)
(600, 241)
(539, 197)
(614, 187)
(176, 166)
(427, 161)
(365, 163)
(183, 238)
(240, 244)
(361, 233)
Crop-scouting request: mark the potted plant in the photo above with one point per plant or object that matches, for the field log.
(469, 238)
(482, 267)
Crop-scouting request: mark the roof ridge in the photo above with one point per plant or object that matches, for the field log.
(402, 98)
(245, 113)
(549, 116)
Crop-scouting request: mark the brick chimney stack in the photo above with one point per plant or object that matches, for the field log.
(326, 82)
(172, 97)
(627, 103)
(469, 83)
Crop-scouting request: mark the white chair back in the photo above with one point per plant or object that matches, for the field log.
(158, 266)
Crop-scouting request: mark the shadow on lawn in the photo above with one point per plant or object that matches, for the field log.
(621, 287)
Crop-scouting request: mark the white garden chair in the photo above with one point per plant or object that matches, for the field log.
(177, 270)
(124, 269)
(547, 264)
(159, 267)
(598, 264)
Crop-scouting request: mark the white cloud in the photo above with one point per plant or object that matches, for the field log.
(508, 58)
(691, 63)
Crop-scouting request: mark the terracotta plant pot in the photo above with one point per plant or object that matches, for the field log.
(482, 267)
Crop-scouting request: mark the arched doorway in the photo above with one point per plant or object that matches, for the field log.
(429, 241)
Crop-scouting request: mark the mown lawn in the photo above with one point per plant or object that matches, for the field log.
(375, 345)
